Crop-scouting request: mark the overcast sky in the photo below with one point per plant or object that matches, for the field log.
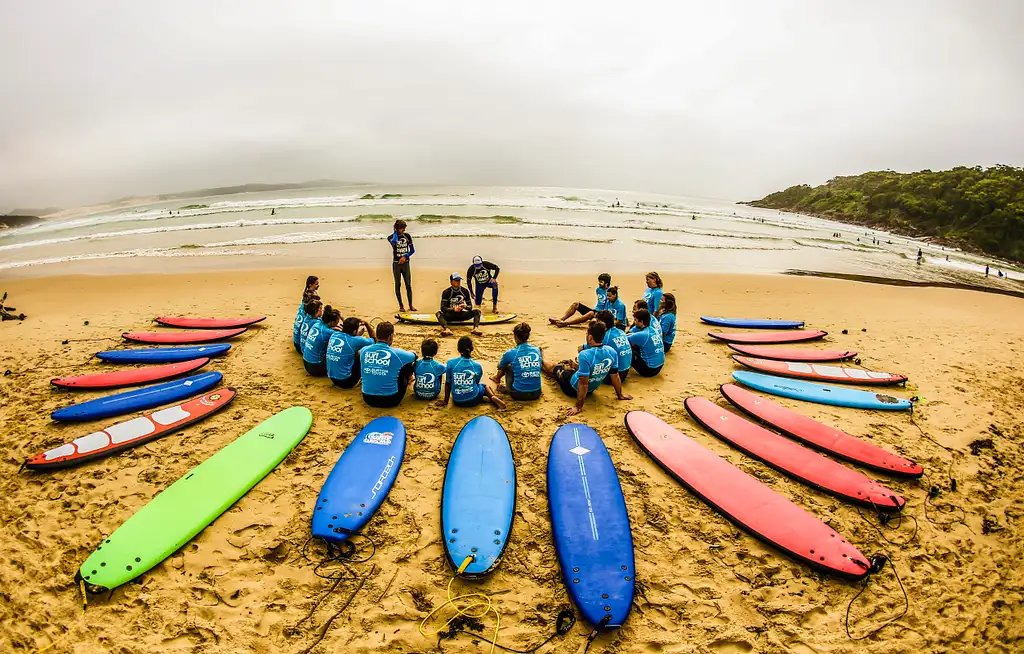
(716, 99)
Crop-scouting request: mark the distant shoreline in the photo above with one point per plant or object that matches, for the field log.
(890, 281)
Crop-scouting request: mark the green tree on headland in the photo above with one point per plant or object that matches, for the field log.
(979, 209)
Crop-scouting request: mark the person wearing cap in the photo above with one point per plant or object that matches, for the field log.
(485, 274)
(457, 306)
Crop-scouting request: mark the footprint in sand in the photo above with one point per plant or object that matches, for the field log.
(731, 646)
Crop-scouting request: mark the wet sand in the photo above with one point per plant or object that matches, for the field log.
(244, 584)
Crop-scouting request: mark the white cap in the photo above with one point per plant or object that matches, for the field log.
(478, 260)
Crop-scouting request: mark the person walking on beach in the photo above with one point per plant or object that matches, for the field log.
(402, 250)
(457, 306)
(594, 364)
(462, 380)
(385, 370)
(485, 275)
(604, 281)
(986, 270)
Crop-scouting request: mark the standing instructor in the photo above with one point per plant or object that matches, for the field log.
(402, 249)
(485, 275)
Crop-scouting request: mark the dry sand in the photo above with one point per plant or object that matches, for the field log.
(243, 584)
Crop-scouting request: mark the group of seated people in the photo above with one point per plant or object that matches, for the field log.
(352, 351)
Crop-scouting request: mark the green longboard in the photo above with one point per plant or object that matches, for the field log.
(188, 505)
(431, 319)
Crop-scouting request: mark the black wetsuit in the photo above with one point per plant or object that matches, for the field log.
(455, 297)
(401, 246)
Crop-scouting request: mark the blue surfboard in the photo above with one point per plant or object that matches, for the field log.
(591, 526)
(164, 354)
(753, 323)
(139, 399)
(479, 497)
(360, 480)
(834, 395)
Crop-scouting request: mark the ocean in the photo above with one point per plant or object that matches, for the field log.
(530, 229)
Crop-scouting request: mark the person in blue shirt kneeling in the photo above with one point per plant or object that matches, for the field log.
(648, 349)
(596, 363)
(429, 373)
(314, 350)
(385, 370)
(343, 352)
(462, 380)
(522, 365)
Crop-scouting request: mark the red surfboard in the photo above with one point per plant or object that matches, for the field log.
(208, 323)
(792, 353)
(819, 372)
(791, 458)
(744, 500)
(790, 336)
(820, 436)
(182, 338)
(132, 433)
(135, 377)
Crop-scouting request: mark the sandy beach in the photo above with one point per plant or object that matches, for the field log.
(246, 583)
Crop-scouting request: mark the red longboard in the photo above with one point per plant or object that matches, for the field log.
(132, 433)
(789, 336)
(820, 436)
(744, 500)
(819, 372)
(182, 338)
(208, 323)
(135, 377)
(791, 458)
(791, 353)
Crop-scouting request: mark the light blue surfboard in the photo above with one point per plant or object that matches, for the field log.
(360, 480)
(753, 323)
(590, 526)
(479, 497)
(139, 399)
(834, 395)
(164, 354)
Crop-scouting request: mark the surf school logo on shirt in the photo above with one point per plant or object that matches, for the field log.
(337, 345)
(463, 378)
(425, 381)
(379, 438)
(601, 368)
(378, 358)
(530, 364)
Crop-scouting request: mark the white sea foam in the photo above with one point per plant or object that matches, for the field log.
(129, 254)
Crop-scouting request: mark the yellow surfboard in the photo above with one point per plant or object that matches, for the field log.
(431, 319)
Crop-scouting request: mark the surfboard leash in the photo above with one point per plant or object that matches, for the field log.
(885, 519)
(878, 562)
(478, 606)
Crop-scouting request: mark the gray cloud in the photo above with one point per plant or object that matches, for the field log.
(728, 99)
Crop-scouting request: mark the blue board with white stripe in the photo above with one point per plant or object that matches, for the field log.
(753, 323)
(808, 392)
(479, 497)
(139, 399)
(163, 354)
(360, 480)
(591, 526)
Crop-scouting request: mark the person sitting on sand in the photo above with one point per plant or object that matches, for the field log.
(654, 291)
(462, 380)
(666, 315)
(604, 280)
(522, 365)
(310, 311)
(402, 250)
(457, 306)
(308, 295)
(595, 364)
(7, 313)
(343, 352)
(314, 350)
(648, 348)
(429, 372)
(617, 308)
(385, 370)
(485, 274)
(637, 306)
(616, 339)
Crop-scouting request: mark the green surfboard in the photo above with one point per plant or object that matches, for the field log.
(188, 505)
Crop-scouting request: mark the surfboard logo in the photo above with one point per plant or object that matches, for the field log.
(379, 438)
(383, 476)
(886, 399)
(579, 450)
(266, 434)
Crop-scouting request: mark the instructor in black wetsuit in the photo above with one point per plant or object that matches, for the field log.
(457, 306)
(402, 249)
(485, 275)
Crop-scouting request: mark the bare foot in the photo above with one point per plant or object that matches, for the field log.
(498, 402)
(446, 332)
(559, 323)
(476, 332)
(500, 388)
(553, 321)
(412, 308)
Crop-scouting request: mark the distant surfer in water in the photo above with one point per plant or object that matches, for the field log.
(457, 306)
(604, 281)
(595, 364)
(402, 249)
(485, 275)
